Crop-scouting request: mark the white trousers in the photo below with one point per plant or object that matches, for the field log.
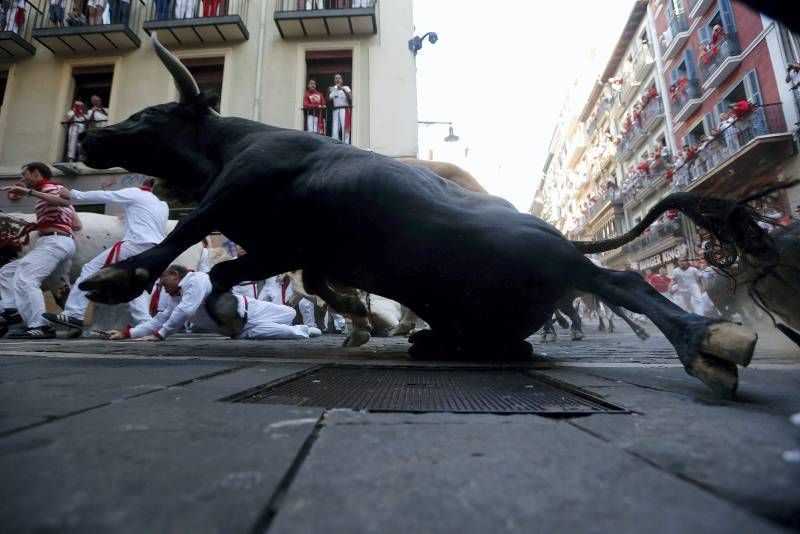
(21, 280)
(307, 311)
(11, 20)
(267, 320)
(339, 131)
(185, 9)
(689, 300)
(75, 130)
(77, 302)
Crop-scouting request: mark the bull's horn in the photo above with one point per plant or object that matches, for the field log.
(183, 79)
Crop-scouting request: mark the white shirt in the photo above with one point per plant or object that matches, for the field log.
(339, 96)
(145, 215)
(687, 280)
(188, 306)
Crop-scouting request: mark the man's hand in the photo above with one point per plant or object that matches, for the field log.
(116, 335)
(16, 189)
(150, 338)
(64, 193)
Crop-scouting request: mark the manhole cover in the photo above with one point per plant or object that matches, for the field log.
(473, 390)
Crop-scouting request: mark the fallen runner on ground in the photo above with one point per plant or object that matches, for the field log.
(188, 292)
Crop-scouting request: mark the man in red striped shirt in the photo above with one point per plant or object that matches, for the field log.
(20, 280)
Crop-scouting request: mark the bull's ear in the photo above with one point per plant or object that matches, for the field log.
(184, 81)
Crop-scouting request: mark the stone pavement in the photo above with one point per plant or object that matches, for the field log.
(132, 437)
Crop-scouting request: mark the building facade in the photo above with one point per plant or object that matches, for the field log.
(255, 55)
(696, 97)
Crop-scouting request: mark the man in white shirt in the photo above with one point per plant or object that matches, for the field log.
(685, 288)
(188, 292)
(145, 226)
(340, 96)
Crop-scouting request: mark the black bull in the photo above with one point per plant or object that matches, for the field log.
(482, 274)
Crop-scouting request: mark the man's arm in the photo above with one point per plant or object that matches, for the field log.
(77, 224)
(152, 326)
(50, 198)
(121, 196)
(192, 296)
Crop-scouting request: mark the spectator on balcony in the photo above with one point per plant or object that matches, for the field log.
(211, 8)
(98, 115)
(96, 8)
(310, 4)
(717, 35)
(340, 96)
(793, 74)
(76, 121)
(76, 18)
(120, 11)
(15, 16)
(314, 107)
(57, 12)
(162, 9)
(185, 9)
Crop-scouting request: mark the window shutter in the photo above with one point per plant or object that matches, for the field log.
(752, 88)
(691, 66)
(728, 21)
(705, 35)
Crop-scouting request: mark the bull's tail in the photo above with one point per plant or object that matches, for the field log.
(733, 224)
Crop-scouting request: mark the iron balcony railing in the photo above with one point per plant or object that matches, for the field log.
(77, 14)
(9, 19)
(651, 111)
(682, 95)
(609, 198)
(320, 120)
(662, 231)
(715, 54)
(641, 58)
(312, 5)
(72, 129)
(591, 126)
(678, 23)
(730, 140)
(193, 9)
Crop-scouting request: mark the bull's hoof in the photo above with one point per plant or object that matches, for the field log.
(601, 327)
(224, 310)
(721, 376)
(117, 283)
(577, 335)
(642, 334)
(730, 342)
(356, 338)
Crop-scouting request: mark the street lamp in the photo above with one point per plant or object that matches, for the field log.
(415, 43)
(451, 137)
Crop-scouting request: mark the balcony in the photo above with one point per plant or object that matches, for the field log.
(629, 87)
(698, 7)
(657, 235)
(217, 21)
(719, 61)
(610, 198)
(652, 114)
(591, 126)
(642, 62)
(676, 35)
(15, 41)
(77, 35)
(685, 99)
(325, 18)
(740, 153)
(320, 121)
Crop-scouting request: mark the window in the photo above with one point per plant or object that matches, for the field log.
(322, 66)
(92, 81)
(208, 72)
(695, 134)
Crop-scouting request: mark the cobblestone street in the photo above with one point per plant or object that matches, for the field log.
(130, 437)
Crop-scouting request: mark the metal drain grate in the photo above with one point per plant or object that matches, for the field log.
(460, 390)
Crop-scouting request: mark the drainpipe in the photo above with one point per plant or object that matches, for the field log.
(262, 30)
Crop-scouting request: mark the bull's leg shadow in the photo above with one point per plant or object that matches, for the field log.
(709, 349)
(432, 345)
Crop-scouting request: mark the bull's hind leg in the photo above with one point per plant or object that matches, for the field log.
(709, 349)
(576, 327)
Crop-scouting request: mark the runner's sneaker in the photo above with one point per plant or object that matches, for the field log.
(64, 320)
(36, 332)
(314, 331)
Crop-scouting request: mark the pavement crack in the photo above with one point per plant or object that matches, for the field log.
(267, 516)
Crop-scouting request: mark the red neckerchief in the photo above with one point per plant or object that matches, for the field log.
(146, 188)
(43, 182)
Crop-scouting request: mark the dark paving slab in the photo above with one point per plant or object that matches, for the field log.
(34, 390)
(448, 473)
(172, 461)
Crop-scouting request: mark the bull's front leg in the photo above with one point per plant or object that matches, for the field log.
(125, 280)
(709, 349)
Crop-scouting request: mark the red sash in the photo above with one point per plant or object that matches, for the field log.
(113, 254)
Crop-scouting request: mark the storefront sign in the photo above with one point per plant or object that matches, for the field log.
(657, 260)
